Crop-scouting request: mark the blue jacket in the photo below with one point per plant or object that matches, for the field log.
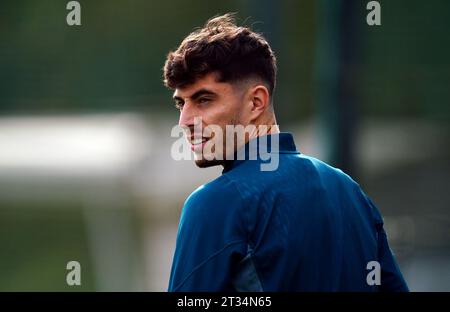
(305, 226)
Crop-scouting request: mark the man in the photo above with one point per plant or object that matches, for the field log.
(302, 226)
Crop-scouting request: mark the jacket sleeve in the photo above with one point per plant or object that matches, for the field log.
(391, 277)
(211, 239)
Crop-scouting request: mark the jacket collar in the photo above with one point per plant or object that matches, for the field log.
(255, 149)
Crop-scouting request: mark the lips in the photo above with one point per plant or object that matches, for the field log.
(197, 143)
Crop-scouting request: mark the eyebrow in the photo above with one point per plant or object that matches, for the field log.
(197, 94)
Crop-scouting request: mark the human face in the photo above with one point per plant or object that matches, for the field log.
(212, 105)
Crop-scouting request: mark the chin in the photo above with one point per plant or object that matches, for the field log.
(204, 163)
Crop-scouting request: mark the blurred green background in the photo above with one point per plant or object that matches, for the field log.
(85, 166)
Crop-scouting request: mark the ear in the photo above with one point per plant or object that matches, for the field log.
(259, 99)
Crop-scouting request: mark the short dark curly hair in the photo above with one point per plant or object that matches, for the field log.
(235, 53)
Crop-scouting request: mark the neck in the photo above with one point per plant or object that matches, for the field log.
(265, 126)
(261, 129)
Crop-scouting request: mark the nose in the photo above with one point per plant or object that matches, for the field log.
(187, 115)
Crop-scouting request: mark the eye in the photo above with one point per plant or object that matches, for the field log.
(204, 100)
(179, 104)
